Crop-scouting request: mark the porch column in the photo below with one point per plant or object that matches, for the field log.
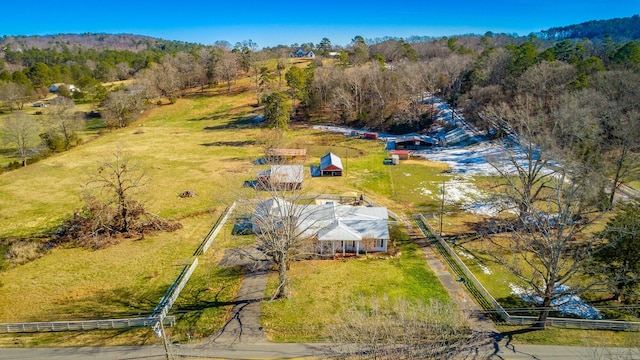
(357, 247)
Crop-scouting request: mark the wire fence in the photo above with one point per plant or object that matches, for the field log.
(491, 305)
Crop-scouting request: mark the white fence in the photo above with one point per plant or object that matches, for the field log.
(84, 325)
(489, 302)
(216, 229)
(174, 291)
(158, 314)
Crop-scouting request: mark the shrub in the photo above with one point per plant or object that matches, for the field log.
(99, 225)
(23, 252)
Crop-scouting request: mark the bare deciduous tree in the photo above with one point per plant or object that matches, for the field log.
(119, 179)
(162, 80)
(121, 108)
(112, 211)
(15, 94)
(283, 219)
(548, 248)
(383, 329)
(227, 67)
(21, 132)
(64, 120)
(527, 152)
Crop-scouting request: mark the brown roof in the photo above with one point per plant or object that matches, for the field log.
(287, 152)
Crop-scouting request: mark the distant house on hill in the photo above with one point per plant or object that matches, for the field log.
(55, 88)
(301, 53)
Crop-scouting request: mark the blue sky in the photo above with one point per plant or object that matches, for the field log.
(269, 23)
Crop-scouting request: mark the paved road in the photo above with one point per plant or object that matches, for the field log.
(266, 350)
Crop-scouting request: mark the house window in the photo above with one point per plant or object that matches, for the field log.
(379, 243)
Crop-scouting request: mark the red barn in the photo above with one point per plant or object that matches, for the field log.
(330, 165)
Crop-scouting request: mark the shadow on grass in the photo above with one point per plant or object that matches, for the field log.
(235, 122)
(205, 302)
(123, 302)
(7, 152)
(231, 143)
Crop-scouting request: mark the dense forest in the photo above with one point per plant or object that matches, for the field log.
(620, 30)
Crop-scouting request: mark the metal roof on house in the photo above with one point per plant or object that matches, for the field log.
(341, 222)
(415, 137)
(331, 222)
(338, 230)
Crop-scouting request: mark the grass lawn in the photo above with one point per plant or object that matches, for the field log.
(322, 290)
(571, 337)
(187, 146)
(205, 302)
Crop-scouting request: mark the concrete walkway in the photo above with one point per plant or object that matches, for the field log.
(244, 324)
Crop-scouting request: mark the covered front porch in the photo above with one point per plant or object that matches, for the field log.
(344, 247)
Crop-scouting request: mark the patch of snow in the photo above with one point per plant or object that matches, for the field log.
(465, 254)
(425, 192)
(567, 304)
(485, 269)
(468, 152)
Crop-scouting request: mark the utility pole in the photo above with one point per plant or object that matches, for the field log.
(346, 160)
(158, 328)
(441, 207)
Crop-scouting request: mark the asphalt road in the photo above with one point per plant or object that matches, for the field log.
(289, 351)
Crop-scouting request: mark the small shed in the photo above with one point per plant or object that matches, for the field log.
(281, 177)
(402, 154)
(330, 165)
